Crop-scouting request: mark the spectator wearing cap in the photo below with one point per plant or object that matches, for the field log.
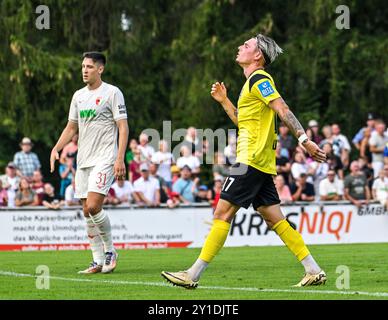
(25, 160)
(185, 186)
(314, 127)
(10, 182)
(343, 144)
(146, 188)
(356, 187)
(331, 188)
(370, 124)
(301, 190)
(286, 141)
(377, 143)
(175, 173)
(187, 159)
(146, 151)
(25, 196)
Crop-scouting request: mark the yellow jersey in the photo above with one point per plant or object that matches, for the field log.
(257, 123)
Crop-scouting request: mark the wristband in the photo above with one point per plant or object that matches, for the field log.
(303, 138)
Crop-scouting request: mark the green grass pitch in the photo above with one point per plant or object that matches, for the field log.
(236, 273)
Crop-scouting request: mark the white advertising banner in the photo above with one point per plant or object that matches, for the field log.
(42, 229)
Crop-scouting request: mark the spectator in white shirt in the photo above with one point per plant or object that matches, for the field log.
(300, 166)
(123, 190)
(164, 159)
(10, 183)
(331, 188)
(70, 200)
(377, 143)
(380, 187)
(146, 150)
(187, 159)
(147, 188)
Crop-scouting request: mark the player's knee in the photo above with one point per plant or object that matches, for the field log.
(93, 209)
(224, 216)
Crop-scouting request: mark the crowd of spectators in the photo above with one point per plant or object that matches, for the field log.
(157, 177)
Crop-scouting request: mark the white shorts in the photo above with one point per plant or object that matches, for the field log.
(93, 179)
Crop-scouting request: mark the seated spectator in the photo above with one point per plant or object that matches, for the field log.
(146, 188)
(301, 190)
(219, 167)
(187, 159)
(111, 198)
(25, 160)
(299, 166)
(49, 200)
(185, 186)
(283, 165)
(356, 187)
(134, 167)
(25, 196)
(282, 189)
(38, 186)
(386, 153)
(3, 196)
(380, 187)
(202, 195)
(123, 190)
(163, 188)
(192, 142)
(215, 192)
(164, 159)
(331, 188)
(70, 200)
(69, 151)
(318, 171)
(10, 183)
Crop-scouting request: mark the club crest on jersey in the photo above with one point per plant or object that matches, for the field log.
(265, 88)
(98, 100)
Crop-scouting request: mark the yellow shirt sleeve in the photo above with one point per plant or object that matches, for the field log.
(265, 90)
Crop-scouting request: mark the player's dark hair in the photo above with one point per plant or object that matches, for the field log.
(95, 56)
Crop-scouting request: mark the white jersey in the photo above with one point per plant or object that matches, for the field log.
(96, 112)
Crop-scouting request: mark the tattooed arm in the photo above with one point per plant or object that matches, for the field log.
(289, 119)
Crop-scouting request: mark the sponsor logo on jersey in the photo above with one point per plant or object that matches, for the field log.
(266, 88)
(89, 113)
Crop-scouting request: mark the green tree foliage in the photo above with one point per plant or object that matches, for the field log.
(165, 55)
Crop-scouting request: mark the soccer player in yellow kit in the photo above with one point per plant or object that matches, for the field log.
(251, 178)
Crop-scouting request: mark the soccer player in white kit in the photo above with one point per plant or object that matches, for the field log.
(97, 113)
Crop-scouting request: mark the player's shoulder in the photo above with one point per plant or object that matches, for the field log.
(259, 76)
(112, 89)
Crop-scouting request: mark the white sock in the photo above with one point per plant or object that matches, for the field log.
(310, 266)
(196, 269)
(95, 242)
(101, 220)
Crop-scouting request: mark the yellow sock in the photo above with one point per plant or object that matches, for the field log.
(292, 239)
(215, 240)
